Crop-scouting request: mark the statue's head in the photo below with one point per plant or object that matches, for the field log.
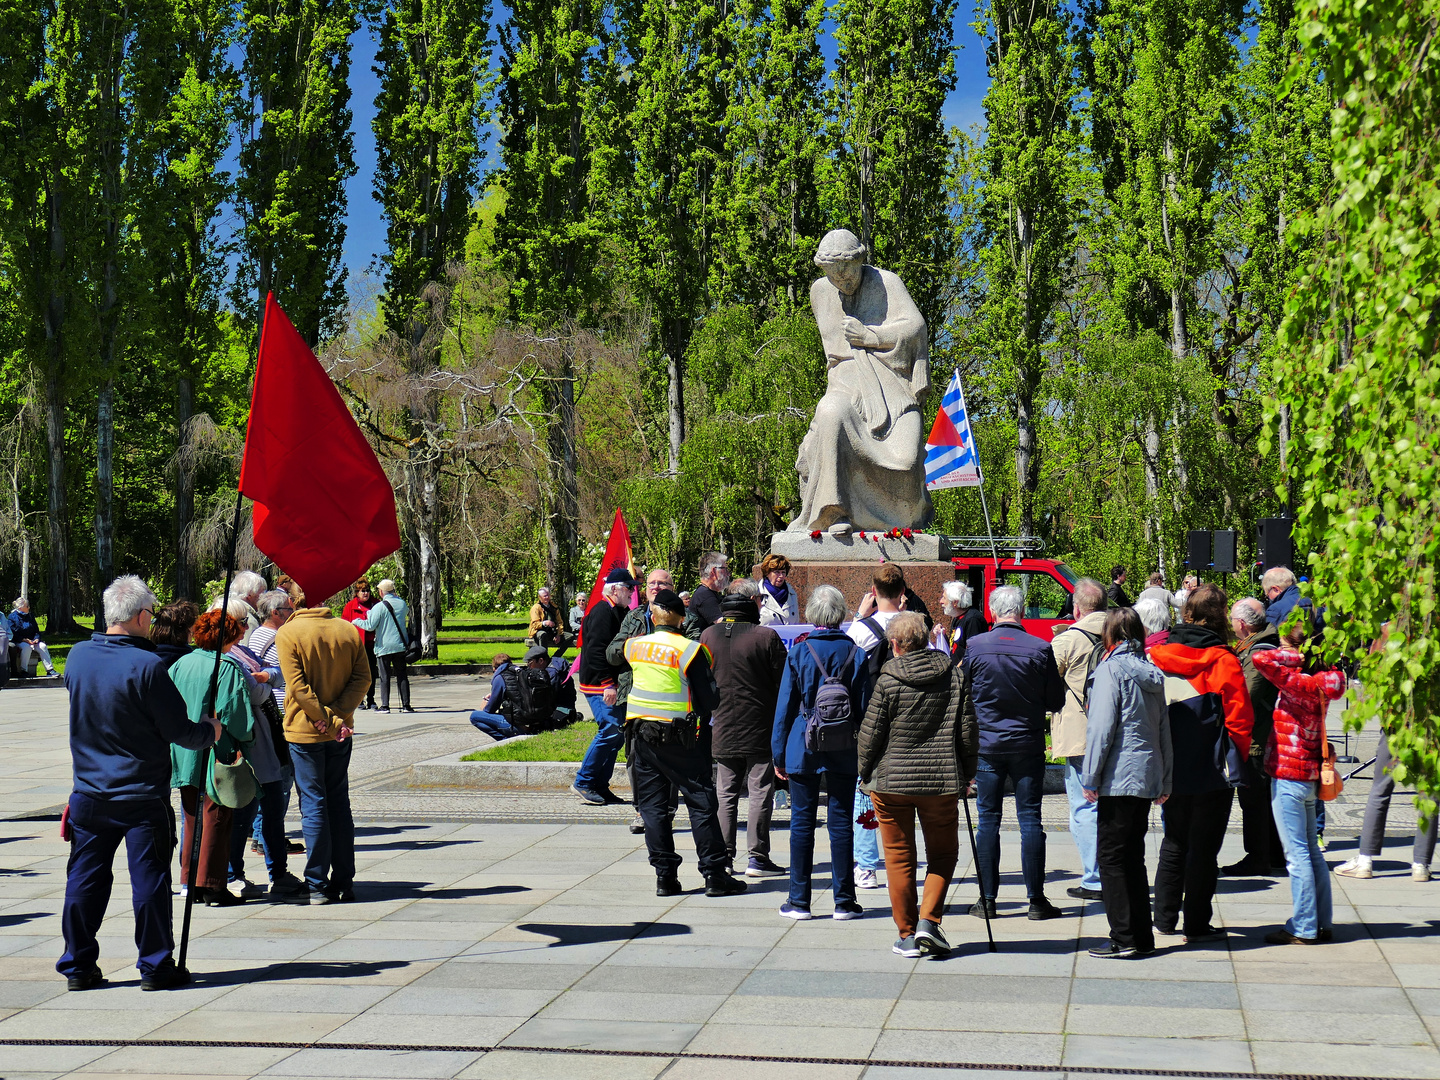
(842, 257)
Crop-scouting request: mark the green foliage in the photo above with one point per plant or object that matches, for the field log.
(1356, 368)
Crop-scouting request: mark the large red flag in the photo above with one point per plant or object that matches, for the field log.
(324, 509)
(617, 555)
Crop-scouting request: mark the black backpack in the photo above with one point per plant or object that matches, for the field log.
(529, 696)
(877, 657)
(1097, 653)
(831, 722)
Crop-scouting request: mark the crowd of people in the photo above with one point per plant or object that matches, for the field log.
(885, 715)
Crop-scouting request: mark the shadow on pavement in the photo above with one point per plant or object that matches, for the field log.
(299, 969)
(568, 934)
(16, 920)
(376, 891)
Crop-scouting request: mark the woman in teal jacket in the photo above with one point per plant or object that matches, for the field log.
(191, 770)
(387, 621)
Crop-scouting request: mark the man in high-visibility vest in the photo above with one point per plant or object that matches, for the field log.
(672, 694)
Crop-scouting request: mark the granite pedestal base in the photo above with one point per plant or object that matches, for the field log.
(853, 578)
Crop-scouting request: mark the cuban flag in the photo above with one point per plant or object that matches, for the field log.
(950, 456)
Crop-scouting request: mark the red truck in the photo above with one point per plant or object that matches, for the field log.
(1047, 585)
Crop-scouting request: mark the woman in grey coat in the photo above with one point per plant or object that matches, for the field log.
(1128, 765)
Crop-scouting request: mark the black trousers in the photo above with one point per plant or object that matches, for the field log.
(394, 664)
(1185, 878)
(653, 769)
(374, 674)
(1257, 820)
(1120, 827)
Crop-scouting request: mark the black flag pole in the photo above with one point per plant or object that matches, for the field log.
(208, 710)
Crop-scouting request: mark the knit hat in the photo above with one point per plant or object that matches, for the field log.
(666, 600)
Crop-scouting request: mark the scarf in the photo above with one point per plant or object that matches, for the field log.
(781, 595)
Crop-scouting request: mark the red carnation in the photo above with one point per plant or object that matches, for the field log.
(814, 534)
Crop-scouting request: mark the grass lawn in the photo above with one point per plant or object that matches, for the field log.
(567, 744)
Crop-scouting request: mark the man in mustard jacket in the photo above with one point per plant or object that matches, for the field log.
(326, 678)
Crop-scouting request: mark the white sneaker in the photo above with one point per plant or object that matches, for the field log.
(1356, 868)
(1419, 872)
(866, 879)
(246, 889)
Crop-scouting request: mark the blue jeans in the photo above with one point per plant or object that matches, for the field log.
(599, 764)
(147, 828)
(1084, 820)
(1028, 772)
(494, 725)
(867, 841)
(322, 772)
(1293, 802)
(287, 785)
(839, 822)
(266, 812)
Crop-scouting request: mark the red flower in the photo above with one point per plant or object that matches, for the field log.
(814, 534)
(862, 535)
(867, 820)
(909, 534)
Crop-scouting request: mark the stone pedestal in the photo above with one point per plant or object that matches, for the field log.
(853, 578)
(849, 563)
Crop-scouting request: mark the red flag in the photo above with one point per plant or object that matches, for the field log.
(617, 555)
(324, 508)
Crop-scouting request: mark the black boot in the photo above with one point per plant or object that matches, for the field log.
(722, 884)
(668, 885)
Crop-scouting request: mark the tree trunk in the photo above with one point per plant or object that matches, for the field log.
(1150, 457)
(1026, 454)
(563, 511)
(104, 494)
(675, 372)
(60, 615)
(185, 583)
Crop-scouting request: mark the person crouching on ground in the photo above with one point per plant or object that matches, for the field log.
(667, 716)
(826, 653)
(917, 758)
(124, 715)
(1297, 742)
(1128, 765)
(503, 714)
(192, 771)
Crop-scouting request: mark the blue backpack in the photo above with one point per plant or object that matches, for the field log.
(830, 723)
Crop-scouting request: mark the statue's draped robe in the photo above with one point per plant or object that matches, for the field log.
(863, 459)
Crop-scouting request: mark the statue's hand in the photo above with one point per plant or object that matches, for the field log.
(857, 333)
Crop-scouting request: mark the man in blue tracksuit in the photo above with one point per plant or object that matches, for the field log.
(124, 714)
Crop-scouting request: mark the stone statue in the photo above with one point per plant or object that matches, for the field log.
(862, 464)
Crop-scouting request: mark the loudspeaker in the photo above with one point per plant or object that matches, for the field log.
(1272, 542)
(1224, 558)
(1197, 547)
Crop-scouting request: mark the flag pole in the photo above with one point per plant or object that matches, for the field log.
(994, 551)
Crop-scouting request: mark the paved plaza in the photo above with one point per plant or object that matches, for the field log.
(511, 936)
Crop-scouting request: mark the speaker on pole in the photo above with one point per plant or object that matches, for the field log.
(1272, 542)
(1224, 557)
(1197, 549)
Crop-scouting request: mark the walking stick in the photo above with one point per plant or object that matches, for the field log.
(209, 709)
(975, 854)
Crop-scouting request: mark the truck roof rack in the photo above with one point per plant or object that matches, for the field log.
(1030, 545)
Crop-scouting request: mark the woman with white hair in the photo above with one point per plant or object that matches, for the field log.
(966, 620)
(1155, 616)
(387, 620)
(25, 635)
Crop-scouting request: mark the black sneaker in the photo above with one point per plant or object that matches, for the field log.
(846, 910)
(906, 946)
(165, 977)
(1244, 868)
(611, 799)
(1079, 892)
(594, 798)
(383, 709)
(983, 909)
(1112, 951)
(930, 939)
(1203, 936)
(220, 898)
(1167, 931)
(1042, 909)
(668, 886)
(344, 895)
(762, 866)
(286, 886)
(722, 884)
(87, 980)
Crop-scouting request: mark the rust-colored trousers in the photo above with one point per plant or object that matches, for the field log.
(940, 825)
(214, 841)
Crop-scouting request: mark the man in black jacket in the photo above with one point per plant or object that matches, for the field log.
(748, 661)
(124, 714)
(1010, 683)
(704, 607)
(598, 684)
(1115, 593)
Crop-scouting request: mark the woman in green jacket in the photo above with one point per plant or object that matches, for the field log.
(191, 770)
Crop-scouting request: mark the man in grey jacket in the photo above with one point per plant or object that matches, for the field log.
(1073, 649)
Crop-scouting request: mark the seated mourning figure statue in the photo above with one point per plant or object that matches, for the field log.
(862, 464)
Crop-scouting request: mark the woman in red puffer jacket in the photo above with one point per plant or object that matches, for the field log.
(1292, 757)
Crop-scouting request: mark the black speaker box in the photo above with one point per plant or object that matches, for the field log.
(1224, 557)
(1197, 548)
(1272, 543)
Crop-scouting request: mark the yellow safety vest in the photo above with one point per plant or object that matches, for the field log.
(659, 663)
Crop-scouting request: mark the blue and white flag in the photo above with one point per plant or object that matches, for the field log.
(951, 459)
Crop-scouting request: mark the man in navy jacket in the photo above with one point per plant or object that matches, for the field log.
(1011, 682)
(124, 714)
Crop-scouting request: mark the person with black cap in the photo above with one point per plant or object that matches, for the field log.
(598, 684)
(515, 709)
(672, 694)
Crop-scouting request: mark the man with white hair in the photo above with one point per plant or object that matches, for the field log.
(124, 715)
(25, 635)
(547, 624)
(1282, 595)
(1263, 851)
(1156, 617)
(702, 610)
(598, 679)
(1011, 683)
(1077, 650)
(247, 587)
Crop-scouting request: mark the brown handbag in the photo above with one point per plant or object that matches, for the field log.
(1330, 782)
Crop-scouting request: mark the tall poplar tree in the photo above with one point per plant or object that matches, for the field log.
(550, 232)
(894, 67)
(433, 67)
(296, 154)
(1027, 209)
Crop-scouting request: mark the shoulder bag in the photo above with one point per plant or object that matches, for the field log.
(412, 647)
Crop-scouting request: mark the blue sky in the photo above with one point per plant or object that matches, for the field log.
(365, 230)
